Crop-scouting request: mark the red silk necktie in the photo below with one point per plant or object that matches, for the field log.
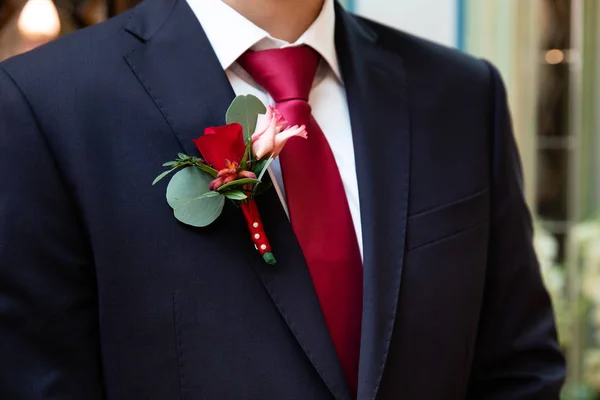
(317, 203)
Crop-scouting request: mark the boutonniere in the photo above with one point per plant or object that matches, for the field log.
(234, 160)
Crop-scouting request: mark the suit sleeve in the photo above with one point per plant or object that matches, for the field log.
(48, 303)
(517, 355)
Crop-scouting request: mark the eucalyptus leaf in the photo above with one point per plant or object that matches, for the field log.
(244, 110)
(235, 195)
(184, 195)
(158, 178)
(238, 182)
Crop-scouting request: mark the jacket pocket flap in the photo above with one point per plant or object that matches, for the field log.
(447, 220)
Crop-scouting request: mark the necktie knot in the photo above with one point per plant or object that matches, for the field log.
(286, 74)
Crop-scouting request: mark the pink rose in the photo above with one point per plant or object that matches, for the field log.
(272, 132)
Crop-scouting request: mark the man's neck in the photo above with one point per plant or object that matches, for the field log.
(283, 19)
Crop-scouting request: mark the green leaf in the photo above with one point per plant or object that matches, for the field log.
(184, 196)
(208, 194)
(183, 156)
(170, 164)
(158, 178)
(260, 165)
(211, 171)
(244, 110)
(243, 181)
(235, 195)
(261, 188)
(262, 173)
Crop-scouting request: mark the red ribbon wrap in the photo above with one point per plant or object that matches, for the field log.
(256, 228)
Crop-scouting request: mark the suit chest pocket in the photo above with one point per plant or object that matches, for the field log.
(443, 223)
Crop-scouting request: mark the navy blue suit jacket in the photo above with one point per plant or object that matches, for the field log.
(103, 294)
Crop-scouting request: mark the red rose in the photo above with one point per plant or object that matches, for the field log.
(221, 144)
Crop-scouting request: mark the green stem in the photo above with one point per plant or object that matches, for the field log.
(269, 258)
(247, 154)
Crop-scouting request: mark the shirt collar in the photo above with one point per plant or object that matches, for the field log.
(231, 34)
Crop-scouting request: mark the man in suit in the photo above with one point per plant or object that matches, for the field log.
(427, 287)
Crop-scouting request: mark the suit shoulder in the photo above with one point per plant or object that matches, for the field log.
(84, 53)
(424, 58)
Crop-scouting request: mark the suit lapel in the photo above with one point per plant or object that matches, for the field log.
(290, 286)
(178, 68)
(377, 99)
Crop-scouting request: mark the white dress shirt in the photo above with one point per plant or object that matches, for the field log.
(231, 34)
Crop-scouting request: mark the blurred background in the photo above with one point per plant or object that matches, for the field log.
(549, 54)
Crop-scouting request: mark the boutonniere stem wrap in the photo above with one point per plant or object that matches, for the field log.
(235, 158)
